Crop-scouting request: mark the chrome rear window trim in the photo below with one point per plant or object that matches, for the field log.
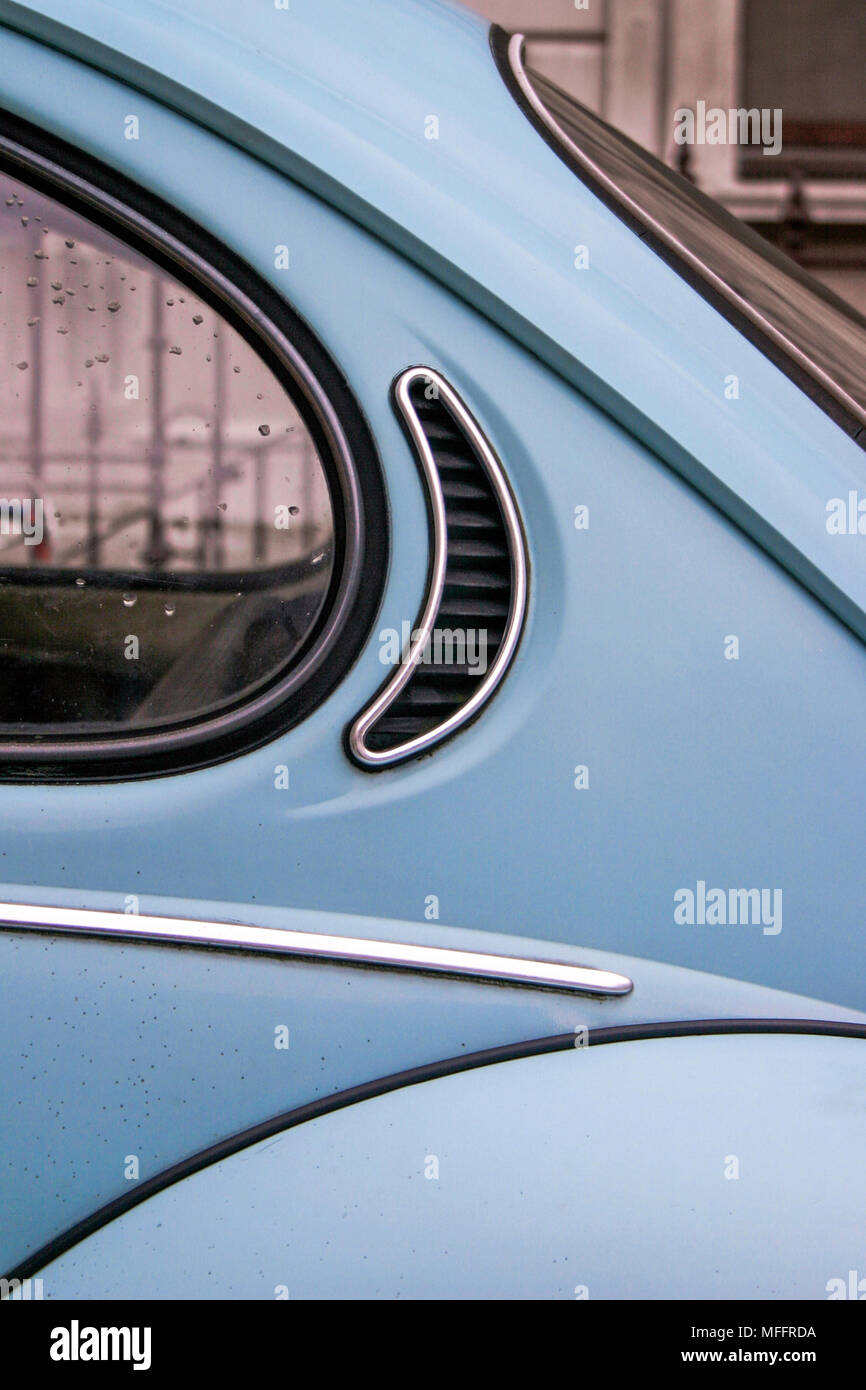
(618, 195)
(355, 951)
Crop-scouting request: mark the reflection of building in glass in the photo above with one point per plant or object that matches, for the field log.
(185, 541)
(636, 62)
(156, 437)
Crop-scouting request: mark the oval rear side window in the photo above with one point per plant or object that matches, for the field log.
(173, 525)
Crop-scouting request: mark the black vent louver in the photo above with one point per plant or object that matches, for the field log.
(476, 595)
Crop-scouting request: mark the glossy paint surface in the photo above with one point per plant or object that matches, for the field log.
(341, 96)
(690, 1168)
(735, 774)
(118, 1050)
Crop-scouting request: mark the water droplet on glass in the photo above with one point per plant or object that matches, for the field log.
(41, 255)
(89, 362)
(293, 511)
(59, 299)
(113, 306)
(63, 331)
(197, 318)
(102, 357)
(24, 221)
(223, 506)
(57, 284)
(70, 243)
(170, 302)
(31, 323)
(22, 366)
(237, 370)
(170, 610)
(264, 429)
(129, 600)
(176, 351)
(32, 281)
(79, 583)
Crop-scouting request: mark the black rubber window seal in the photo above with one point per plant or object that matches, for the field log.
(499, 40)
(340, 433)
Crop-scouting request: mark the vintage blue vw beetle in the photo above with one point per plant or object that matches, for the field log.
(434, 701)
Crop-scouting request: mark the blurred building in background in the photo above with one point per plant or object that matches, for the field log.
(636, 62)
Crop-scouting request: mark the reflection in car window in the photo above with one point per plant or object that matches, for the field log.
(166, 525)
(830, 333)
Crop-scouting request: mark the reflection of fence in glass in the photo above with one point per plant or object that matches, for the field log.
(157, 439)
(186, 536)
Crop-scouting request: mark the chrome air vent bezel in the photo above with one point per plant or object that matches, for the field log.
(465, 423)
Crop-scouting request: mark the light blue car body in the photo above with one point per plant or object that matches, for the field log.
(603, 388)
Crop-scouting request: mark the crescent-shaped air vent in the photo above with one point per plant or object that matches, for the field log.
(449, 665)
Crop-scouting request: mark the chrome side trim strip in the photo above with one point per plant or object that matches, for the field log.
(388, 955)
(424, 625)
(515, 60)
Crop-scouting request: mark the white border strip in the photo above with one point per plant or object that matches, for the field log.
(514, 970)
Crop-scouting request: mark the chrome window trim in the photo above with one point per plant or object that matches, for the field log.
(355, 951)
(515, 62)
(192, 740)
(424, 625)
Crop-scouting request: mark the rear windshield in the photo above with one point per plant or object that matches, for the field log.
(824, 335)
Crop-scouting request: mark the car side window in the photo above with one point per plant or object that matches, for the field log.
(168, 530)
